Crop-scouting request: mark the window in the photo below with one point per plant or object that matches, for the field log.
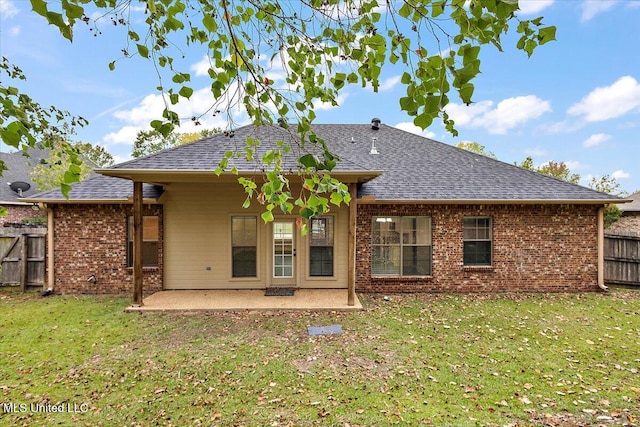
(401, 246)
(321, 246)
(477, 241)
(150, 232)
(244, 246)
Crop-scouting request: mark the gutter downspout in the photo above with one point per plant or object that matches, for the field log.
(601, 284)
(50, 249)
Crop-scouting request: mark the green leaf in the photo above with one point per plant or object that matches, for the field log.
(308, 161)
(186, 92)
(70, 177)
(65, 189)
(39, 7)
(547, 34)
(336, 198)
(423, 120)
(408, 104)
(307, 213)
(143, 50)
(466, 92)
(73, 11)
(267, 216)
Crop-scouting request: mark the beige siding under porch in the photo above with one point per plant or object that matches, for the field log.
(197, 241)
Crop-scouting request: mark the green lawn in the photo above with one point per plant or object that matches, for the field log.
(533, 359)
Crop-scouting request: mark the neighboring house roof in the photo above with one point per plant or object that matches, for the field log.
(407, 168)
(18, 170)
(634, 206)
(99, 188)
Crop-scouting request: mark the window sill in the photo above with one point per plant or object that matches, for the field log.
(487, 268)
(156, 268)
(373, 276)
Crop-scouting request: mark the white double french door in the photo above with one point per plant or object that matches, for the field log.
(283, 249)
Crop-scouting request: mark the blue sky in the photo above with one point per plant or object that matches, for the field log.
(575, 100)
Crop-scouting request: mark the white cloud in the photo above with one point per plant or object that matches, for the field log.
(323, 106)
(410, 127)
(535, 152)
(573, 165)
(595, 139)
(7, 9)
(389, 83)
(609, 102)
(464, 115)
(620, 174)
(150, 108)
(591, 8)
(126, 135)
(201, 68)
(510, 113)
(528, 7)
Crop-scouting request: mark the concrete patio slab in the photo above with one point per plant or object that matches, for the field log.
(241, 300)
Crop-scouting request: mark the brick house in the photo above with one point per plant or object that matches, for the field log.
(426, 216)
(629, 220)
(17, 184)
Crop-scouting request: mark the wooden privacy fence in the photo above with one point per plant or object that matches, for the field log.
(22, 252)
(622, 258)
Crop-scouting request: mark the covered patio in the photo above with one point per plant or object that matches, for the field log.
(241, 300)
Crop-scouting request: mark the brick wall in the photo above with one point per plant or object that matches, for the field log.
(17, 213)
(535, 248)
(92, 239)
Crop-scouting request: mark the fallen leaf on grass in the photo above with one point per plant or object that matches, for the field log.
(323, 413)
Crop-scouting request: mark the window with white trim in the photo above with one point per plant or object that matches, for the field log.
(477, 239)
(401, 246)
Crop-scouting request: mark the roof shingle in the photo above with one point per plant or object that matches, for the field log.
(415, 168)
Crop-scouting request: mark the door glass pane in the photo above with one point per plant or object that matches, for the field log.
(282, 249)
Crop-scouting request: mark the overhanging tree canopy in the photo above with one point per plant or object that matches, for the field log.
(320, 46)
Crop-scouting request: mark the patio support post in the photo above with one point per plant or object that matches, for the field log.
(601, 284)
(351, 277)
(137, 243)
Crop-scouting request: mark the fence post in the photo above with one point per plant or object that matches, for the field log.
(24, 262)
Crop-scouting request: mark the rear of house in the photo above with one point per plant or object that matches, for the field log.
(425, 217)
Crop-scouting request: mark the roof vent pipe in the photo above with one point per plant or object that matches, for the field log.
(374, 150)
(375, 123)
